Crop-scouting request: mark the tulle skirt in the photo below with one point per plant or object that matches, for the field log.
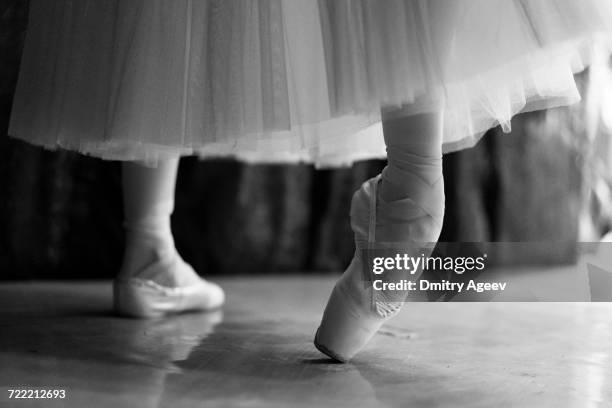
(290, 80)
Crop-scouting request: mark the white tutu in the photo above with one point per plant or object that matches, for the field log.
(289, 80)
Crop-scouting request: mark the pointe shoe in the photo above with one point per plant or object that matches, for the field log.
(354, 313)
(135, 296)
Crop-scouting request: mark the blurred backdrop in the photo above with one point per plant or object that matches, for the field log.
(60, 213)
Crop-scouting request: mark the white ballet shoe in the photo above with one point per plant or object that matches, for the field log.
(349, 322)
(135, 296)
(354, 313)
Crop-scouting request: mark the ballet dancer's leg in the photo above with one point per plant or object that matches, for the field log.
(403, 206)
(413, 172)
(154, 280)
(148, 196)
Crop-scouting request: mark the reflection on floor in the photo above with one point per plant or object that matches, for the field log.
(258, 352)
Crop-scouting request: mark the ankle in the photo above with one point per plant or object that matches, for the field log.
(414, 218)
(142, 250)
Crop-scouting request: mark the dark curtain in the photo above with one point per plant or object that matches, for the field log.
(60, 213)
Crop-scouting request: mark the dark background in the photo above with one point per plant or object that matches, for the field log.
(60, 213)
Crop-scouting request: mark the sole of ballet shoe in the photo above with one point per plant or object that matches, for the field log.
(142, 298)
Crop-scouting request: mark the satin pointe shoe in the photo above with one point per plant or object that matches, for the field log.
(354, 312)
(137, 296)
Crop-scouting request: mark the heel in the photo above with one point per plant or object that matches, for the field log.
(134, 298)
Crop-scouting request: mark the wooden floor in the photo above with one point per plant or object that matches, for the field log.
(258, 352)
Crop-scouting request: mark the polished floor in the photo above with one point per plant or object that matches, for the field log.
(258, 352)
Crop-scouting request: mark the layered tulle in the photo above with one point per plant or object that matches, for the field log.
(289, 80)
(484, 60)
